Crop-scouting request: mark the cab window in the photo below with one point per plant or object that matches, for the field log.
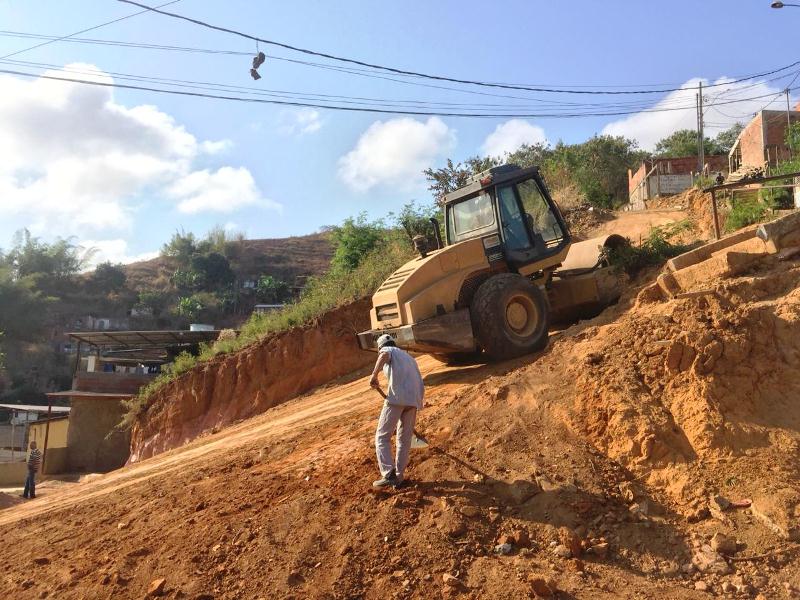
(515, 232)
(467, 217)
(541, 218)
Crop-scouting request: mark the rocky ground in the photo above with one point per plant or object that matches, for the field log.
(649, 453)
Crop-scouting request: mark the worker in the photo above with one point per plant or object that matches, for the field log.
(403, 399)
(34, 460)
(720, 178)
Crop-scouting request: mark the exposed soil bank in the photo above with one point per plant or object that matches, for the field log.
(236, 386)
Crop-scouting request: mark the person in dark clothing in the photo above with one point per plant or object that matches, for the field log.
(34, 462)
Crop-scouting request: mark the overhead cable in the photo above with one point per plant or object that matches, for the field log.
(426, 75)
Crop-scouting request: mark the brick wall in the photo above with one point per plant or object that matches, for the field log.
(751, 144)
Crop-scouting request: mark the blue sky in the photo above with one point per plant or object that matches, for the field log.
(122, 170)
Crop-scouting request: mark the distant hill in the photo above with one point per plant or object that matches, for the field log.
(283, 258)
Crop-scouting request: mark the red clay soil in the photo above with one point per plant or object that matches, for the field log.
(236, 386)
(605, 463)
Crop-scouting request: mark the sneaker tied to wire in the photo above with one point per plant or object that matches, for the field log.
(388, 480)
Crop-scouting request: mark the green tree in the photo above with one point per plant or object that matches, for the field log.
(415, 220)
(187, 280)
(598, 166)
(271, 290)
(213, 269)
(182, 247)
(22, 307)
(154, 300)
(684, 143)
(50, 263)
(189, 307)
(726, 139)
(446, 179)
(792, 137)
(354, 239)
(108, 277)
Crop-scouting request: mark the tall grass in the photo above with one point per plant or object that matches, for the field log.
(336, 288)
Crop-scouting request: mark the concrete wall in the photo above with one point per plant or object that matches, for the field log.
(665, 185)
(93, 442)
(114, 383)
(56, 460)
(56, 437)
(13, 474)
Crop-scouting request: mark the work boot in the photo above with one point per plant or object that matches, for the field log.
(388, 480)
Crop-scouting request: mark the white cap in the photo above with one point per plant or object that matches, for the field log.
(383, 340)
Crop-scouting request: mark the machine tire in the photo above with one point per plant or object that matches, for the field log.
(510, 316)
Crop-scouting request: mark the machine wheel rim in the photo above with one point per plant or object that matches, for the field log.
(522, 315)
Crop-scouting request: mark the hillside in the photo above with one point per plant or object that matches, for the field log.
(649, 452)
(283, 258)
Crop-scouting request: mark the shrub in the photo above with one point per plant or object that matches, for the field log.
(656, 248)
(745, 212)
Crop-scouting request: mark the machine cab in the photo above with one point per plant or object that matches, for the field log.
(511, 210)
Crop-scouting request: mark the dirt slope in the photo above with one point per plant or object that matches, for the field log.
(605, 463)
(609, 444)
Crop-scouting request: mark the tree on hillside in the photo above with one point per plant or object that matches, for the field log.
(224, 242)
(599, 167)
(271, 290)
(29, 256)
(108, 277)
(684, 143)
(182, 247)
(22, 307)
(415, 220)
(726, 139)
(354, 239)
(446, 179)
(214, 270)
(153, 300)
(189, 307)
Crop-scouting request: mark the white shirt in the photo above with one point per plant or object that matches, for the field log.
(406, 387)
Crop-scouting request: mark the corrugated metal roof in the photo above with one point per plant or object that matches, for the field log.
(35, 408)
(143, 339)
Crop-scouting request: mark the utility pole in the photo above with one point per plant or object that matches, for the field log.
(700, 137)
(788, 120)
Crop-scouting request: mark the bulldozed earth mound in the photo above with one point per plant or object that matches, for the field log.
(235, 386)
(649, 453)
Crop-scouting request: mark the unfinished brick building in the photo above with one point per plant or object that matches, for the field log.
(761, 143)
(658, 177)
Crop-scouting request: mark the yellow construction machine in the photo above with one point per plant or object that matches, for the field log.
(506, 268)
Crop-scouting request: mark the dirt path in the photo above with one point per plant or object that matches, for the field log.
(637, 224)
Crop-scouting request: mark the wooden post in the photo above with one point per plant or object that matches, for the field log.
(77, 360)
(47, 432)
(716, 215)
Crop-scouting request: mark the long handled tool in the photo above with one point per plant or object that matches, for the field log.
(417, 441)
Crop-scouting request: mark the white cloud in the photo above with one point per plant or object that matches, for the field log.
(225, 190)
(115, 251)
(301, 121)
(510, 135)
(649, 127)
(395, 152)
(73, 161)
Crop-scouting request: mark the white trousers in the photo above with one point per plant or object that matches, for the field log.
(400, 419)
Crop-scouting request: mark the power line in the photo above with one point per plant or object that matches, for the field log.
(425, 75)
(370, 74)
(217, 51)
(85, 30)
(306, 95)
(338, 107)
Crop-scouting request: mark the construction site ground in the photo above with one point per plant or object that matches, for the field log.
(648, 453)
